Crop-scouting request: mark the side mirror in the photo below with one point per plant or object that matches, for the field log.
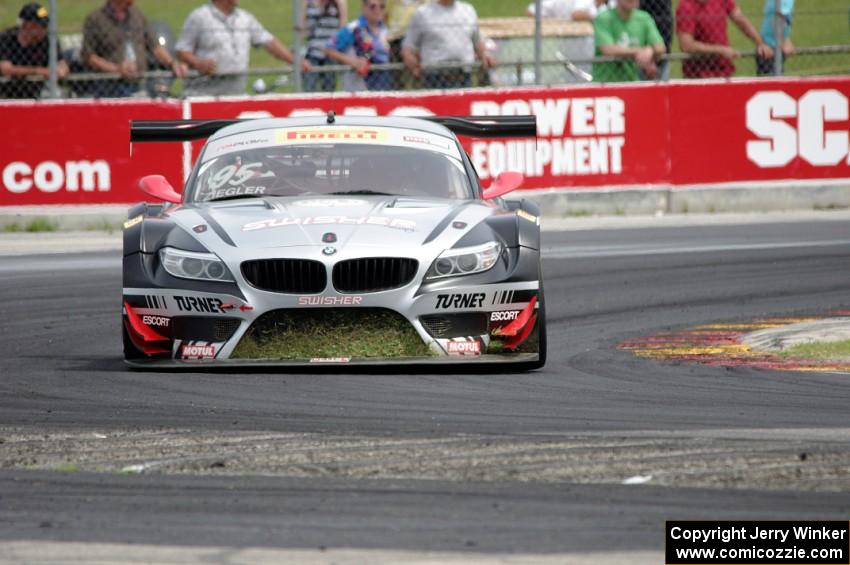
(159, 188)
(503, 184)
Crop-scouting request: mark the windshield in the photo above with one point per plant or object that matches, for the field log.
(330, 168)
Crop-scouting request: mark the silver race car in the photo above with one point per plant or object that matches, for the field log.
(333, 240)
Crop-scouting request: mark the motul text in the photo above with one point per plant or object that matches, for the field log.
(202, 351)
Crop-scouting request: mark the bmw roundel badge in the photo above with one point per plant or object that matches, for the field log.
(329, 250)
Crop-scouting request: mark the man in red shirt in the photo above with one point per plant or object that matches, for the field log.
(701, 28)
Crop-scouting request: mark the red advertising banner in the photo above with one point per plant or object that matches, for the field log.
(768, 130)
(589, 137)
(79, 152)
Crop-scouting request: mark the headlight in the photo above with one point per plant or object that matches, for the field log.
(190, 265)
(465, 261)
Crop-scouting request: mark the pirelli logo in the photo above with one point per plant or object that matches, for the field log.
(330, 134)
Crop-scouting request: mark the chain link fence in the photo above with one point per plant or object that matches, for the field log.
(192, 47)
(766, 38)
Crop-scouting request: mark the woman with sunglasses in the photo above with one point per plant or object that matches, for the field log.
(361, 44)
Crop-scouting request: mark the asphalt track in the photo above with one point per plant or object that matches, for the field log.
(61, 377)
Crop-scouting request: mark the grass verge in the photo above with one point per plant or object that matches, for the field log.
(32, 226)
(103, 225)
(66, 468)
(820, 350)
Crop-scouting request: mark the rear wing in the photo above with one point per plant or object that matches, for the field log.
(472, 126)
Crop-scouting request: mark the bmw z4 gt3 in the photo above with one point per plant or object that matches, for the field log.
(333, 240)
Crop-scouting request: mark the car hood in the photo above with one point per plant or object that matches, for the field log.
(381, 221)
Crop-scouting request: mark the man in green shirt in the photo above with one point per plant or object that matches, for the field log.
(632, 36)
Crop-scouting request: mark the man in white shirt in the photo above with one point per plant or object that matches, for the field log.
(216, 39)
(444, 32)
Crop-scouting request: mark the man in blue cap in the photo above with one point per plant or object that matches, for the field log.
(24, 53)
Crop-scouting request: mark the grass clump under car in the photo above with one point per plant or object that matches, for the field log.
(307, 334)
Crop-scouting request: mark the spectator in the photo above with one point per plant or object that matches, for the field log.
(781, 11)
(361, 44)
(24, 53)
(576, 10)
(444, 32)
(604, 5)
(701, 27)
(662, 12)
(630, 34)
(115, 40)
(397, 19)
(216, 39)
(321, 19)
